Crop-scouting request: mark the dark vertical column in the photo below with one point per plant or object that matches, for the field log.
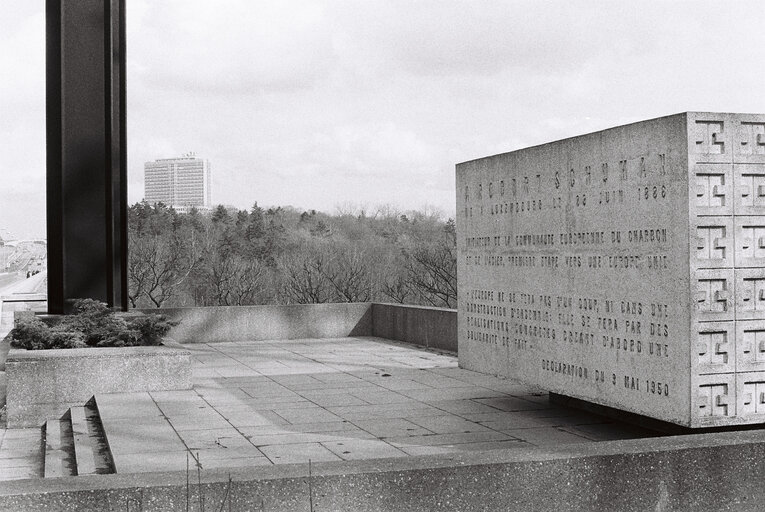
(86, 175)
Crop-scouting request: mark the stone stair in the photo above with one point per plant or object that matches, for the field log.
(76, 445)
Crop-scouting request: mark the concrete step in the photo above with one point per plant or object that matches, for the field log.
(76, 445)
(140, 437)
(90, 446)
(59, 448)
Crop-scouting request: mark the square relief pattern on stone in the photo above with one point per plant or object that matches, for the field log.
(713, 189)
(710, 138)
(750, 189)
(750, 241)
(750, 390)
(714, 242)
(715, 342)
(714, 295)
(715, 398)
(750, 346)
(749, 144)
(752, 138)
(750, 294)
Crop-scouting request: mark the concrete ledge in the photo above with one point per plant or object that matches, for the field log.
(695, 472)
(418, 325)
(257, 323)
(43, 384)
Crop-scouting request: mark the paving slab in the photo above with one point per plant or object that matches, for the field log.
(127, 438)
(30, 452)
(399, 410)
(298, 453)
(376, 396)
(268, 389)
(228, 438)
(448, 424)
(339, 399)
(393, 427)
(546, 436)
(508, 403)
(462, 408)
(198, 408)
(249, 417)
(466, 391)
(21, 454)
(607, 431)
(356, 449)
(188, 422)
(266, 403)
(21, 472)
(261, 440)
(227, 453)
(150, 462)
(233, 462)
(450, 439)
(325, 426)
(306, 414)
(127, 406)
(502, 444)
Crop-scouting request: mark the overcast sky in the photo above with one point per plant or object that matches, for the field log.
(321, 103)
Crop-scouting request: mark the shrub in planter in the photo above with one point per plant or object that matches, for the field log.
(152, 328)
(91, 324)
(34, 334)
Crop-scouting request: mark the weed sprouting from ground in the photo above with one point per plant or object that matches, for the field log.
(310, 486)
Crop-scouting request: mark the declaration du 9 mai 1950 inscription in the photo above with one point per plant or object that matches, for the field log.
(624, 267)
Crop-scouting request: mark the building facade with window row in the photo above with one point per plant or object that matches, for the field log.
(182, 183)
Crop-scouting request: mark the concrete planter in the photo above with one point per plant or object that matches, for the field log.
(43, 384)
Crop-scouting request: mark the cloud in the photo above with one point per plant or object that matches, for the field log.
(316, 103)
(22, 119)
(230, 46)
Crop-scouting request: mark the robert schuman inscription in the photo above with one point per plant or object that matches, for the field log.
(624, 267)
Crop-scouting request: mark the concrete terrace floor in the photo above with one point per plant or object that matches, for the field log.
(288, 401)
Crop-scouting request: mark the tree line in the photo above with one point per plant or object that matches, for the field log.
(286, 256)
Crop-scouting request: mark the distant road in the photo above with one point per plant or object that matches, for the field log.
(7, 279)
(34, 284)
(17, 285)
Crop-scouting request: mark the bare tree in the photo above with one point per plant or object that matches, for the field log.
(234, 280)
(304, 277)
(138, 272)
(432, 272)
(249, 285)
(349, 275)
(161, 266)
(397, 288)
(281, 254)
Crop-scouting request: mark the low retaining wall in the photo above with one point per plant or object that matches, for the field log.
(684, 473)
(44, 384)
(256, 323)
(419, 325)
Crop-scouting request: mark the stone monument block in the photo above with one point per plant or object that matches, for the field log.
(624, 267)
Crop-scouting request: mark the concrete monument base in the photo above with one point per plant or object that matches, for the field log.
(624, 267)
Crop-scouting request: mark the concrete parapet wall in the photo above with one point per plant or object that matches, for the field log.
(255, 323)
(419, 325)
(43, 384)
(682, 473)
